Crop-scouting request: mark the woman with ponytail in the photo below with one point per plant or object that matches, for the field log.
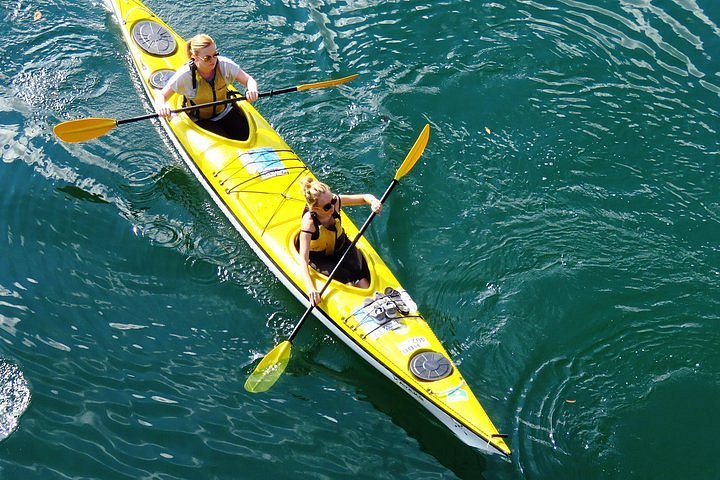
(205, 78)
(323, 240)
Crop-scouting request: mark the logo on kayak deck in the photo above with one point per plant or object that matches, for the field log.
(458, 395)
(411, 344)
(265, 162)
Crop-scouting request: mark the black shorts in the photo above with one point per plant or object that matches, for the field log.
(350, 271)
(234, 125)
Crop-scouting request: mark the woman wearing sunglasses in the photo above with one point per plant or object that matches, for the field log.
(322, 239)
(205, 78)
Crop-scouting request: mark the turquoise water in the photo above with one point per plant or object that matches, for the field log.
(561, 233)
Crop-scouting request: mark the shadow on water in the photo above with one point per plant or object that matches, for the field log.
(433, 438)
(80, 194)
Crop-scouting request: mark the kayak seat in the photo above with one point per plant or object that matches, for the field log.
(234, 125)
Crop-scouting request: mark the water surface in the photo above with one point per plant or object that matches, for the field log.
(560, 233)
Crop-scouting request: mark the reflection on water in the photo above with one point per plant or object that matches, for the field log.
(14, 397)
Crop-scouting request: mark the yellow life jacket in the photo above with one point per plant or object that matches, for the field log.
(327, 241)
(207, 92)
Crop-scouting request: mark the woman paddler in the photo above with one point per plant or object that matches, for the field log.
(205, 78)
(323, 240)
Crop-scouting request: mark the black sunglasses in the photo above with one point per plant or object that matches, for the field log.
(328, 206)
(207, 58)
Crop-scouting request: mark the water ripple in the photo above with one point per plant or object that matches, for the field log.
(50, 63)
(580, 403)
(141, 170)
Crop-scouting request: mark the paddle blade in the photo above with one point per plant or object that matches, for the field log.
(414, 153)
(269, 369)
(83, 129)
(327, 83)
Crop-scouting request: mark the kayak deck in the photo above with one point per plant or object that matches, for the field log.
(256, 184)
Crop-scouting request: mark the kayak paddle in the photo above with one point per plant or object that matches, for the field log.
(273, 364)
(84, 129)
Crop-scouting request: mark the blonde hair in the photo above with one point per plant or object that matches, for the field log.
(197, 43)
(312, 189)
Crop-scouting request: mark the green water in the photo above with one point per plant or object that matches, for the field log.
(561, 234)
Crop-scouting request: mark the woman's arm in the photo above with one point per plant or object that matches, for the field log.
(359, 199)
(161, 98)
(308, 226)
(251, 88)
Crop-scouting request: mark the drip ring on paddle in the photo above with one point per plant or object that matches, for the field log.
(153, 38)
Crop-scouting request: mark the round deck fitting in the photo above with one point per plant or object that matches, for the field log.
(153, 38)
(159, 78)
(430, 366)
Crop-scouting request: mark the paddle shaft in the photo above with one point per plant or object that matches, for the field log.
(342, 259)
(210, 104)
(84, 129)
(273, 364)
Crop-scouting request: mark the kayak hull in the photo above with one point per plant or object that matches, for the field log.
(255, 183)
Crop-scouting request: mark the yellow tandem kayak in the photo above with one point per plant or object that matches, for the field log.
(256, 185)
